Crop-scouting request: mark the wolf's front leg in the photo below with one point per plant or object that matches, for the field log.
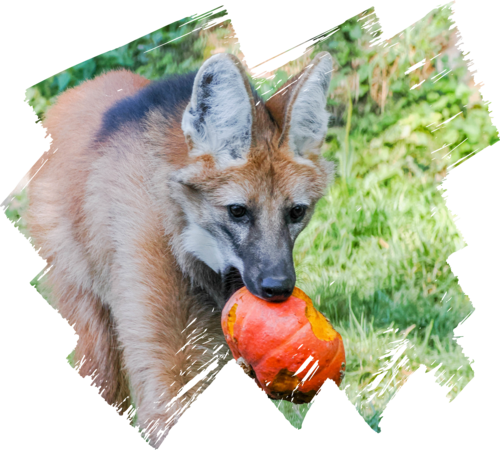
(168, 341)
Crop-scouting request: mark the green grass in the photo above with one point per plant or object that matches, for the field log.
(373, 259)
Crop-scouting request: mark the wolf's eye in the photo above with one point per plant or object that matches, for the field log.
(297, 212)
(237, 210)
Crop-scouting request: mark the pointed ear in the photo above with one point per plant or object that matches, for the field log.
(218, 120)
(299, 109)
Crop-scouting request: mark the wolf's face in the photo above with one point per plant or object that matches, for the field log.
(255, 173)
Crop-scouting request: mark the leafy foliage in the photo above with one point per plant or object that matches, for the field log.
(383, 106)
(174, 49)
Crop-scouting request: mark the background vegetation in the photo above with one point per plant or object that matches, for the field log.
(374, 256)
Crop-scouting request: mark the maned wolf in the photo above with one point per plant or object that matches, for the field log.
(156, 202)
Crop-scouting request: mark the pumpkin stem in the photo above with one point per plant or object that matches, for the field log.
(247, 368)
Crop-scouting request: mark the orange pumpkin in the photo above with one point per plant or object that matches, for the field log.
(289, 348)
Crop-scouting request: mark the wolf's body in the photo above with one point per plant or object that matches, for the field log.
(132, 210)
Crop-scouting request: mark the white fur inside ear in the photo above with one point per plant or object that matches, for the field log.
(309, 119)
(218, 119)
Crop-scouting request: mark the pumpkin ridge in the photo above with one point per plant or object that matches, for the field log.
(276, 350)
(249, 339)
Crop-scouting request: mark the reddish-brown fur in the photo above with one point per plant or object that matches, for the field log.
(97, 352)
(108, 224)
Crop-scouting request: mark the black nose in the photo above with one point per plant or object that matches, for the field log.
(277, 289)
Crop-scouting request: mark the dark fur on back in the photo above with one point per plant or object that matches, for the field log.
(165, 95)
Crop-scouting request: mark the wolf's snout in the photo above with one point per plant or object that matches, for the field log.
(277, 289)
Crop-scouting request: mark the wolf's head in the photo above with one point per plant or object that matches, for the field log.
(254, 173)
